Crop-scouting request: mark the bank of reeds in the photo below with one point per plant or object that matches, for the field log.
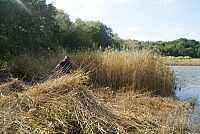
(32, 68)
(142, 70)
(67, 105)
(138, 70)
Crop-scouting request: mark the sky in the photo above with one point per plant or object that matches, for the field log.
(144, 20)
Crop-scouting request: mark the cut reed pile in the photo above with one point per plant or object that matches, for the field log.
(158, 114)
(60, 105)
(13, 86)
(67, 105)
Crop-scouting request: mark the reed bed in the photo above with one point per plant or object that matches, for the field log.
(32, 68)
(142, 70)
(136, 70)
(69, 105)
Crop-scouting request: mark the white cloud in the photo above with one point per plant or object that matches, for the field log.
(178, 22)
(138, 33)
(193, 35)
(97, 9)
(79, 8)
(180, 32)
(167, 1)
(177, 33)
(172, 11)
(122, 1)
(163, 1)
(86, 9)
(130, 32)
(166, 34)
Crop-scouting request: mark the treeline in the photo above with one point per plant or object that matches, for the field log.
(179, 47)
(34, 25)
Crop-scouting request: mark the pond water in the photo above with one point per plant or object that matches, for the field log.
(188, 84)
(188, 89)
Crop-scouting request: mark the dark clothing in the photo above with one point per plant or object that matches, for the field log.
(66, 66)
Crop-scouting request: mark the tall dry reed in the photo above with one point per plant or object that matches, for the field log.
(141, 70)
(35, 68)
(138, 69)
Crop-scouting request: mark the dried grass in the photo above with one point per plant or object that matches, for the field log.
(68, 105)
(156, 114)
(89, 102)
(14, 85)
(135, 70)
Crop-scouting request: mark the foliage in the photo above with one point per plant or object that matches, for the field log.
(31, 27)
(34, 26)
(179, 47)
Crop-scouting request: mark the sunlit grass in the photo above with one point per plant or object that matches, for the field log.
(142, 70)
(138, 70)
(66, 105)
(182, 61)
(105, 94)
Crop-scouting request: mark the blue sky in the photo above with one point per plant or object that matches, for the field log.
(151, 20)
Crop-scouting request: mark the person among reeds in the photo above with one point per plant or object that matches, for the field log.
(64, 67)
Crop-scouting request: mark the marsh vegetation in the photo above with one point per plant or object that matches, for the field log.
(117, 86)
(110, 91)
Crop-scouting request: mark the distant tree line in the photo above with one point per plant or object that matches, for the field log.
(35, 26)
(179, 47)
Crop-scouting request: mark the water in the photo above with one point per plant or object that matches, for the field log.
(188, 89)
(188, 84)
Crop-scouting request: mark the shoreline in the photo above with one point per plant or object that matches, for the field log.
(182, 65)
(181, 61)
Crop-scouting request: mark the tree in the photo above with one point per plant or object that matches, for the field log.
(98, 33)
(26, 24)
(63, 28)
(117, 42)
